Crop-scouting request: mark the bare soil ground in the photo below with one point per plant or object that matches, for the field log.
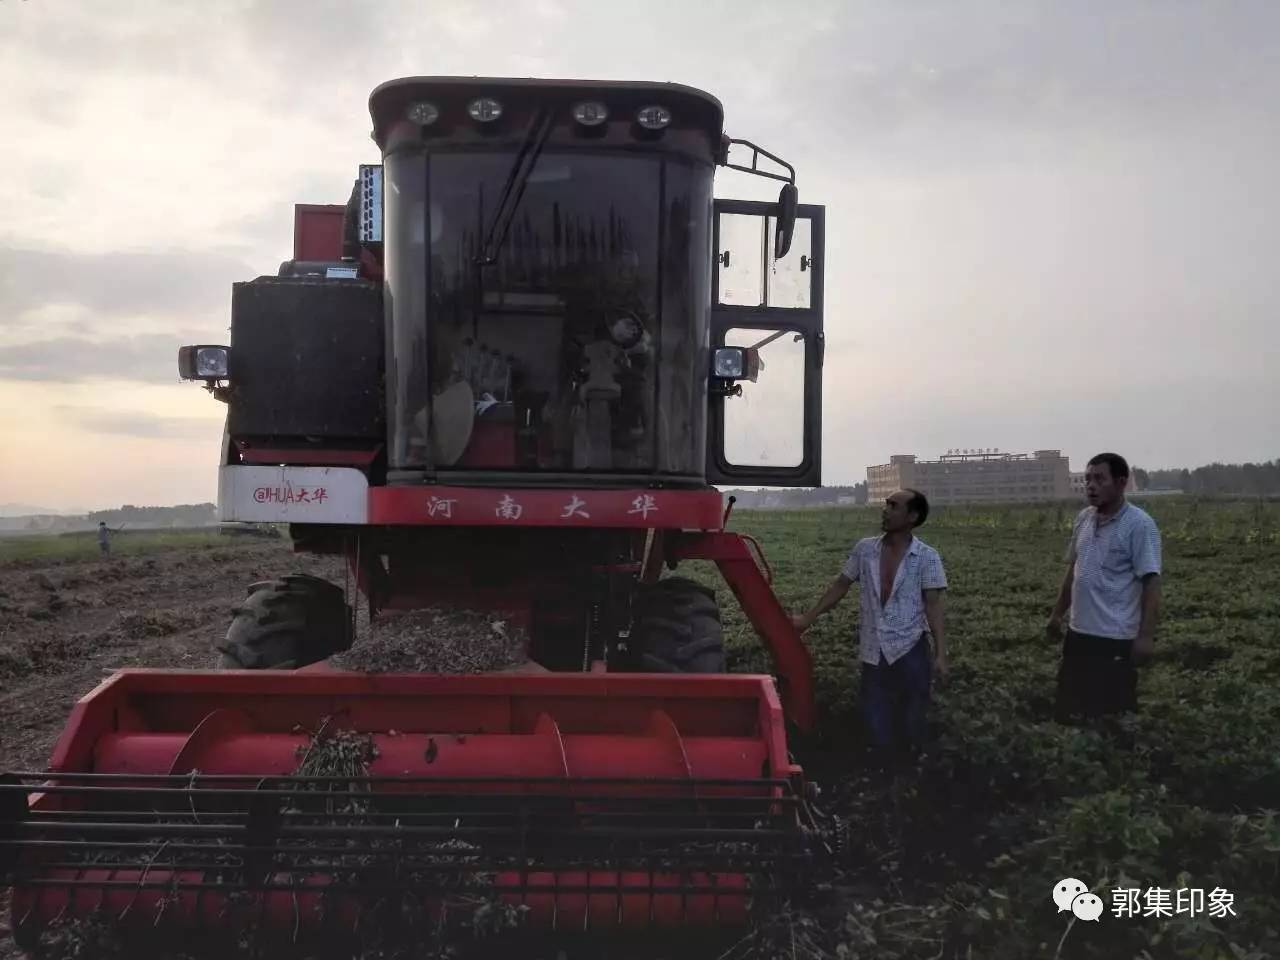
(65, 625)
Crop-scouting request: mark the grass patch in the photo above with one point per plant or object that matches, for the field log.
(83, 545)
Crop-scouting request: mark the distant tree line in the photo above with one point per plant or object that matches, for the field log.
(129, 517)
(183, 515)
(803, 497)
(1238, 479)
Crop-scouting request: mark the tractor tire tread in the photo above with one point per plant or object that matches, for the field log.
(696, 648)
(681, 588)
(676, 628)
(651, 664)
(286, 623)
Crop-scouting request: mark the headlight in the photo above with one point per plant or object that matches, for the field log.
(204, 362)
(730, 363)
(653, 117)
(736, 363)
(484, 109)
(590, 113)
(422, 113)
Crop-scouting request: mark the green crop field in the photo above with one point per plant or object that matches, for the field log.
(960, 857)
(955, 860)
(83, 545)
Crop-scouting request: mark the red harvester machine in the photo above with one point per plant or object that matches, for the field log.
(504, 376)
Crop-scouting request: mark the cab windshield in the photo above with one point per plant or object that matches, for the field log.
(581, 347)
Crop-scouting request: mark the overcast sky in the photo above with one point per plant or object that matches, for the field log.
(1049, 224)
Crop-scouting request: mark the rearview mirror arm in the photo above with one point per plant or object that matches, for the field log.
(756, 153)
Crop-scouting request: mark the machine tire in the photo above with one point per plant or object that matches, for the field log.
(286, 624)
(676, 629)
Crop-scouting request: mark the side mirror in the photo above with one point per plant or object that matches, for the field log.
(788, 200)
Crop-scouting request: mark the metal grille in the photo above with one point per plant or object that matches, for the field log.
(370, 203)
(380, 835)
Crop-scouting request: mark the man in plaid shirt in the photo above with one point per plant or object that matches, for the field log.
(900, 608)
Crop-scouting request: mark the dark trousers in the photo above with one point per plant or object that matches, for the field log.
(895, 699)
(1097, 677)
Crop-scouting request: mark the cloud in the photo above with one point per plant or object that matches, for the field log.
(75, 317)
(146, 426)
(150, 358)
(1120, 61)
(1047, 218)
(171, 284)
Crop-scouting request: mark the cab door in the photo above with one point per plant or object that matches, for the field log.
(767, 431)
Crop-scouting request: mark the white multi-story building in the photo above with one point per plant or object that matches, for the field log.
(971, 476)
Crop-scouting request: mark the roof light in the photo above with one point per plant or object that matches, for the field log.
(422, 113)
(653, 117)
(590, 113)
(484, 109)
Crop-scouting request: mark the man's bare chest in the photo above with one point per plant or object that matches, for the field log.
(890, 561)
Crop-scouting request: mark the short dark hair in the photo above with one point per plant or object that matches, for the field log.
(1117, 464)
(919, 505)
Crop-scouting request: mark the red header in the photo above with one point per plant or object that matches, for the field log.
(496, 507)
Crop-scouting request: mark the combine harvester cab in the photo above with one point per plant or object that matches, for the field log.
(505, 377)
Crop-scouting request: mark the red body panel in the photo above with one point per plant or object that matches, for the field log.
(317, 231)
(738, 565)
(319, 457)
(496, 507)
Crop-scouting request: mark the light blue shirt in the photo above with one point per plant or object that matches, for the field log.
(1111, 558)
(895, 627)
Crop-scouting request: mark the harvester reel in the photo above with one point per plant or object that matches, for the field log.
(286, 624)
(676, 628)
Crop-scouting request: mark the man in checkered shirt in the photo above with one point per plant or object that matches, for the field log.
(900, 608)
(1112, 590)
